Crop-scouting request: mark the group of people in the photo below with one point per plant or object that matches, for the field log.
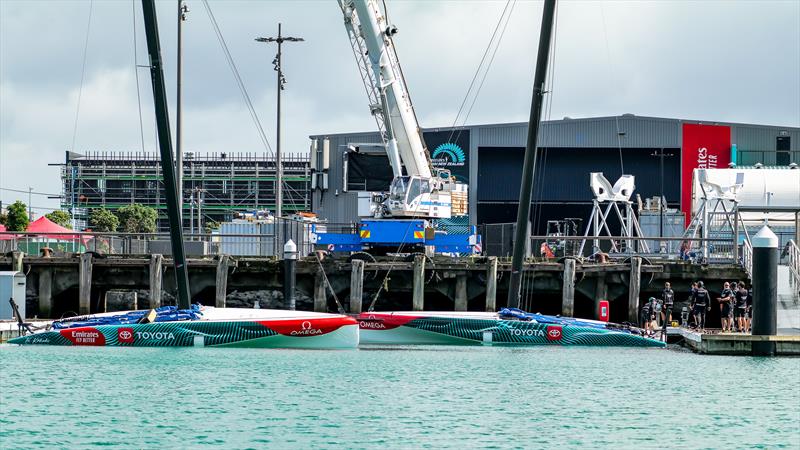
(735, 304)
(656, 309)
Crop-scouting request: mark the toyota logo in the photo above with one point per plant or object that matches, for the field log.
(555, 332)
(306, 325)
(125, 335)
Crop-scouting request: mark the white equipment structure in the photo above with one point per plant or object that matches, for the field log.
(422, 191)
(615, 198)
(716, 218)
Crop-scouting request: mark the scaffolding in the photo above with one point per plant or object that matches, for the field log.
(222, 183)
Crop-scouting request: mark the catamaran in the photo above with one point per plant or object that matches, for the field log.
(507, 327)
(201, 326)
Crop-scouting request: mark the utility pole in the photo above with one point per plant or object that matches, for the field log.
(529, 165)
(30, 208)
(280, 39)
(183, 8)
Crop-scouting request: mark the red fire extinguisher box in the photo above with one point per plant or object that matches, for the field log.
(603, 312)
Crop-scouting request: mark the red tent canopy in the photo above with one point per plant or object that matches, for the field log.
(5, 237)
(43, 226)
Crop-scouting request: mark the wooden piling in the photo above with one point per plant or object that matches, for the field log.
(320, 293)
(16, 261)
(568, 289)
(356, 286)
(221, 281)
(491, 284)
(461, 292)
(418, 289)
(85, 284)
(633, 289)
(156, 274)
(45, 292)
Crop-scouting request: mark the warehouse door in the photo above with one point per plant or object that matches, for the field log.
(782, 146)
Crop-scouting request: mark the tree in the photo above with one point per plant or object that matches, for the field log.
(18, 219)
(103, 220)
(3, 218)
(61, 218)
(210, 226)
(137, 218)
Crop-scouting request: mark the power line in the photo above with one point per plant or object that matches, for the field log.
(29, 192)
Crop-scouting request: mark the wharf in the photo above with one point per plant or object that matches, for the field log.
(716, 343)
(90, 283)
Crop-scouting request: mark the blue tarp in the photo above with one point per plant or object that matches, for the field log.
(163, 314)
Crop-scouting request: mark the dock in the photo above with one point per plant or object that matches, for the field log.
(714, 343)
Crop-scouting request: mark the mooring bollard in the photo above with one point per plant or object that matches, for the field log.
(289, 274)
(765, 290)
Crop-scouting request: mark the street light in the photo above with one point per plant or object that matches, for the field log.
(280, 39)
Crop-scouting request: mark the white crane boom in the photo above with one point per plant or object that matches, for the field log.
(403, 138)
(421, 191)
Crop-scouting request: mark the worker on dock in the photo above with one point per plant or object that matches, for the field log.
(700, 305)
(649, 315)
(724, 301)
(668, 297)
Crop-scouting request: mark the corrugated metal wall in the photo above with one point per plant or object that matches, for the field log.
(627, 131)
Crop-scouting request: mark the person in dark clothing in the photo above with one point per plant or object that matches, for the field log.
(740, 309)
(648, 315)
(668, 297)
(748, 318)
(700, 305)
(725, 307)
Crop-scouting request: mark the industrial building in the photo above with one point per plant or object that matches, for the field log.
(216, 185)
(660, 152)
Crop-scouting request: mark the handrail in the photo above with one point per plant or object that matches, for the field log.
(793, 260)
(747, 258)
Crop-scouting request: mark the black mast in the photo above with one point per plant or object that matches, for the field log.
(165, 145)
(529, 167)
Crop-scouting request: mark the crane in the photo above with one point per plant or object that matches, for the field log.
(418, 189)
(400, 219)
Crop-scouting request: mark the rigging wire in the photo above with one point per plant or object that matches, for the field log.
(136, 73)
(477, 70)
(232, 65)
(83, 74)
(488, 68)
(548, 131)
(613, 77)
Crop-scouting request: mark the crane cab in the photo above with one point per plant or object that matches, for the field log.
(415, 196)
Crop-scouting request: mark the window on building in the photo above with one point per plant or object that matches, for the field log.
(783, 155)
(367, 172)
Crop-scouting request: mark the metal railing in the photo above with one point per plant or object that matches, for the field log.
(747, 258)
(793, 261)
(554, 247)
(267, 241)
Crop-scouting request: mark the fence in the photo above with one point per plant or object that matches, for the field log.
(247, 239)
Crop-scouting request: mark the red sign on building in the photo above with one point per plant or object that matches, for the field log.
(703, 147)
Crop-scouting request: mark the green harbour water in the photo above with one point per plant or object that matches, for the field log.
(408, 397)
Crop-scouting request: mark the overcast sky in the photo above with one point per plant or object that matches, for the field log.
(733, 61)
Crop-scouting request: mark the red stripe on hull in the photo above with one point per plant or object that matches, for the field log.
(378, 321)
(308, 327)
